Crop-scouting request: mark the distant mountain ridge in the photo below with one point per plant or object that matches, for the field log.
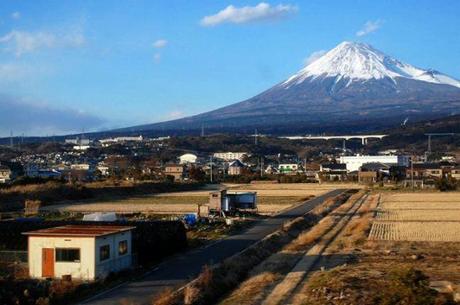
(351, 83)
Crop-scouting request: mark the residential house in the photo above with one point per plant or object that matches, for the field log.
(271, 170)
(5, 174)
(382, 168)
(175, 170)
(236, 168)
(424, 171)
(455, 173)
(333, 171)
(367, 177)
(312, 170)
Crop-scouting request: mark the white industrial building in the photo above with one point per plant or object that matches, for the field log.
(80, 252)
(110, 141)
(229, 156)
(187, 158)
(354, 163)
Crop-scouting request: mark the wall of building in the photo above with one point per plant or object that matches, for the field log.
(85, 269)
(227, 156)
(116, 262)
(355, 162)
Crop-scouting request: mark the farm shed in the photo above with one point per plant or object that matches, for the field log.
(231, 201)
(81, 252)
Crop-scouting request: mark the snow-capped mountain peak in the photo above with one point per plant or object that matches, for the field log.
(353, 61)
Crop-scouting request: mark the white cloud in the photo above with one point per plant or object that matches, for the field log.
(261, 12)
(20, 72)
(160, 43)
(157, 57)
(177, 114)
(314, 56)
(369, 27)
(16, 15)
(12, 72)
(22, 42)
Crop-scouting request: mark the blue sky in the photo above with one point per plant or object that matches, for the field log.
(102, 64)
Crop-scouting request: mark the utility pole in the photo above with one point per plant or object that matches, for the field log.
(429, 143)
(412, 171)
(223, 171)
(11, 138)
(344, 147)
(210, 164)
(261, 166)
(437, 134)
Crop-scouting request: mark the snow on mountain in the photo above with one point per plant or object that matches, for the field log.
(353, 61)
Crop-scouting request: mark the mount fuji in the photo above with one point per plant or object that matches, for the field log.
(351, 87)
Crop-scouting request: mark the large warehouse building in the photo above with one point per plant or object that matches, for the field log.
(355, 162)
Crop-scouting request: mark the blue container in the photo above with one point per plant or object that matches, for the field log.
(190, 219)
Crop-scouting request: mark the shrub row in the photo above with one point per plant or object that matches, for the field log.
(13, 197)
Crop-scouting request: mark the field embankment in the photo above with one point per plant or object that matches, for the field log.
(52, 192)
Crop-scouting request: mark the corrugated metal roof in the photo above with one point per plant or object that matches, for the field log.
(79, 231)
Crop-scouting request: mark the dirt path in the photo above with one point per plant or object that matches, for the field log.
(283, 291)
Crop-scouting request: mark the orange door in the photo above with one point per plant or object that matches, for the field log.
(47, 262)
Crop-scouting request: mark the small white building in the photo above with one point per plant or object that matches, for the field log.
(187, 159)
(81, 251)
(353, 163)
(5, 174)
(228, 156)
(287, 168)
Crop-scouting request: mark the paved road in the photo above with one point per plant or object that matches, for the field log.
(178, 270)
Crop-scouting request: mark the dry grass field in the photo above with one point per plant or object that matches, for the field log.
(392, 241)
(416, 231)
(272, 198)
(168, 205)
(418, 217)
(290, 189)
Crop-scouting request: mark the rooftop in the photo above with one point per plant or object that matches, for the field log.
(80, 231)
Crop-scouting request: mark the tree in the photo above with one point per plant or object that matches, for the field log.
(446, 184)
(197, 174)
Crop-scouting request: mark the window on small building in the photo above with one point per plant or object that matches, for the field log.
(67, 255)
(123, 247)
(104, 252)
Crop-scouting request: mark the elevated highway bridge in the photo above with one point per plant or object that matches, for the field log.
(363, 138)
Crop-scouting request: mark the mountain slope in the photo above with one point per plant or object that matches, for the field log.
(351, 83)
